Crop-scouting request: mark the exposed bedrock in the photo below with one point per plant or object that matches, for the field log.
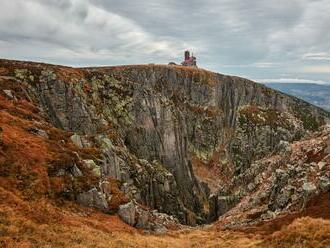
(154, 123)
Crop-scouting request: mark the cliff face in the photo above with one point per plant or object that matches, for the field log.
(159, 127)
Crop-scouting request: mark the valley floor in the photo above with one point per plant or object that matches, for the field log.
(43, 223)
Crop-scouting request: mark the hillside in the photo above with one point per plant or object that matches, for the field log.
(83, 150)
(316, 94)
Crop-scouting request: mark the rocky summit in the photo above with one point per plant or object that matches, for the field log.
(156, 148)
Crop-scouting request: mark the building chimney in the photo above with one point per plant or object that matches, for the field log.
(186, 55)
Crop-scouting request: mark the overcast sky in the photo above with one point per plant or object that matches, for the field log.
(258, 39)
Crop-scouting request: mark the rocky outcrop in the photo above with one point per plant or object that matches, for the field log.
(93, 198)
(150, 121)
(262, 131)
(148, 183)
(282, 183)
(137, 216)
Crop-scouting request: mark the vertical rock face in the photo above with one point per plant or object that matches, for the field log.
(162, 119)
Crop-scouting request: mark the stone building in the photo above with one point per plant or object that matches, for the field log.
(189, 60)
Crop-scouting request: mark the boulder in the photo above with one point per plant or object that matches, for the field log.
(9, 94)
(93, 198)
(309, 187)
(324, 183)
(127, 213)
(75, 171)
(138, 216)
(327, 148)
(90, 164)
(159, 229)
(42, 133)
(321, 165)
(143, 220)
(283, 198)
(284, 148)
(38, 131)
(80, 141)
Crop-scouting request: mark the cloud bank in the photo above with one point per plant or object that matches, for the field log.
(257, 39)
(292, 81)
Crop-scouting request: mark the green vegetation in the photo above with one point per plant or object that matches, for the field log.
(48, 74)
(309, 121)
(256, 116)
(114, 95)
(23, 74)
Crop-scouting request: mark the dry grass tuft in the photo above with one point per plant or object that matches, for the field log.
(303, 232)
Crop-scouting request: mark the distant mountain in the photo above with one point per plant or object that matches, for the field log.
(316, 94)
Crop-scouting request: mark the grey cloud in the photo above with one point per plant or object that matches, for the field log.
(252, 38)
(79, 27)
(316, 56)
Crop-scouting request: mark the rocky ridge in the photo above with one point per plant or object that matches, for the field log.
(155, 126)
(282, 183)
